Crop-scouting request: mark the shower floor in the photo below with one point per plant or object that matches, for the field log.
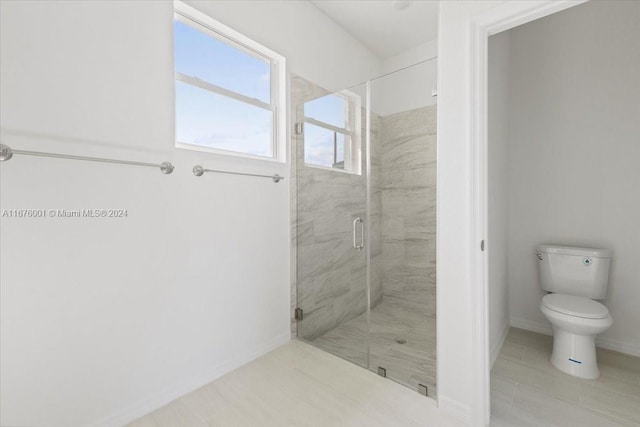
(411, 363)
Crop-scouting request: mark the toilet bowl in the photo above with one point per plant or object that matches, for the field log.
(576, 277)
(576, 321)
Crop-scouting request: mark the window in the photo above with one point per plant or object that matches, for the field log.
(228, 88)
(332, 132)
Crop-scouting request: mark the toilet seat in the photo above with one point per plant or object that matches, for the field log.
(575, 306)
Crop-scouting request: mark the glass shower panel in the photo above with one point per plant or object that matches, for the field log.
(402, 331)
(330, 218)
(365, 214)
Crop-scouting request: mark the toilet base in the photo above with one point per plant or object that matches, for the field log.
(575, 354)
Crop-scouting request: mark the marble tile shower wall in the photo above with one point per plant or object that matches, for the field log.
(408, 163)
(331, 275)
(328, 276)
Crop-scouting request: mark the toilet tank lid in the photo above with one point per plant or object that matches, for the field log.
(571, 250)
(575, 306)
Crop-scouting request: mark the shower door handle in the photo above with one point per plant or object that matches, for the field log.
(358, 246)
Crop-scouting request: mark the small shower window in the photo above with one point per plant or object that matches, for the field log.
(332, 132)
(228, 90)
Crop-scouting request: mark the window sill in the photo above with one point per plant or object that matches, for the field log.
(328, 169)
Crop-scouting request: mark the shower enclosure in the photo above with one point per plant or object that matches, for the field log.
(364, 223)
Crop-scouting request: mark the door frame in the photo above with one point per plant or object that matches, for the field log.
(490, 22)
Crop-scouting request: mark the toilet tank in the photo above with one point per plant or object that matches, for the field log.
(574, 271)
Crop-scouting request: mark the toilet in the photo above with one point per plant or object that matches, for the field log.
(575, 278)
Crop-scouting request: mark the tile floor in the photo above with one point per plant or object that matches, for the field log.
(299, 385)
(411, 363)
(526, 390)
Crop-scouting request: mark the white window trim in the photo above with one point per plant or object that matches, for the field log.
(186, 13)
(352, 150)
(324, 125)
(194, 81)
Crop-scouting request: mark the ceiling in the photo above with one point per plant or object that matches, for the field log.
(380, 26)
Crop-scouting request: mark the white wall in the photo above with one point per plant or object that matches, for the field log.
(456, 349)
(409, 88)
(498, 142)
(103, 320)
(574, 152)
(316, 47)
(421, 52)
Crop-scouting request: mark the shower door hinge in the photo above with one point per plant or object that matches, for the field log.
(299, 129)
(298, 314)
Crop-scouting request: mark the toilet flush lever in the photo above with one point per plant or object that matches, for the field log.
(539, 256)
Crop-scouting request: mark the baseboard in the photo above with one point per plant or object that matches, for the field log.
(498, 346)
(603, 342)
(528, 325)
(621, 347)
(176, 391)
(457, 410)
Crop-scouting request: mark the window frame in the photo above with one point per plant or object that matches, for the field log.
(352, 131)
(278, 84)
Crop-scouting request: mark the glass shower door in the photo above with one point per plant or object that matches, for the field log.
(402, 330)
(330, 234)
(365, 196)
